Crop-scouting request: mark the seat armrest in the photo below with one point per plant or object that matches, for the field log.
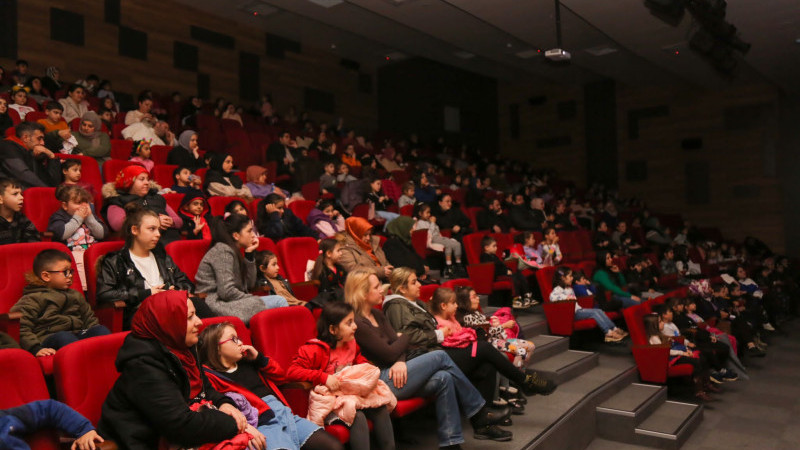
(9, 322)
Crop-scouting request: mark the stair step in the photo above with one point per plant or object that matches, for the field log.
(618, 416)
(670, 425)
(547, 346)
(562, 367)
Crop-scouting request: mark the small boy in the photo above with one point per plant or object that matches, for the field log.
(408, 195)
(25, 419)
(53, 121)
(53, 315)
(277, 221)
(196, 216)
(76, 224)
(582, 286)
(523, 298)
(185, 181)
(344, 174)
(107, 118)
(71, 172)
(15, 228)
(327, 181)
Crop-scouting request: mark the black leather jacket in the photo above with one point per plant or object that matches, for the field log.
(118, 279)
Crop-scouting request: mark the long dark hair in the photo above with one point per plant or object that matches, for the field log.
(559, 275)
(134, 214)
(463, 301)
(325, 246)
(601, 260)
(222, 232)
(332, 314)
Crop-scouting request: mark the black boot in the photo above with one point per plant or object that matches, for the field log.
(492, 432)
(489, 416)
(536, 384)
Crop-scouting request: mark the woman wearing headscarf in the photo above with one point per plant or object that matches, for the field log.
(5, 119)
(360, 249)
(220, 179)
(91, 139)
(398, 248)
(51, 80)
(133, 185)
(186, 153)
(161, 391)
(257, 183)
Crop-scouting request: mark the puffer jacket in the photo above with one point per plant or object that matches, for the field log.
(118, 279)
(150, 399)
(47, 311)
(415, 322)
(152, 201)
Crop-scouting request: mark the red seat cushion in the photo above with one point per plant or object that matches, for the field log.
(584, 324)
(680, 370)
(46, 363)
(406, 407)
(340, 432)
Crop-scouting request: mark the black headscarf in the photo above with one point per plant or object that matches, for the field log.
(215, 173)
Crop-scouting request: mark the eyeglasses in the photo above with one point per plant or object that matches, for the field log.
(235, 340)
(66, 273)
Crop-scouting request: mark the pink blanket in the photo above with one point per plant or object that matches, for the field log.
(360, 387)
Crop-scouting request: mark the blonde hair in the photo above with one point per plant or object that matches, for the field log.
(399, 278)
(356, 287)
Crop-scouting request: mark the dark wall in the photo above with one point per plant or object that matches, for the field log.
(601, 133)
(412, 96)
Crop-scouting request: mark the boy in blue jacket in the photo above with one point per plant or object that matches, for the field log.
(30, 417)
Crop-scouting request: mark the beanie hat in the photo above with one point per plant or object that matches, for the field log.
(125, 176)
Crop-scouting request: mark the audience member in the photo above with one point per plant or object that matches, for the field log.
(196, 216)
(277, 222)
(15, 228)
(140, 153)
(360, 249)
(325, 219)
(187, 152)
(221, 180)
(26, 159)
(53, 121)
(74, 104)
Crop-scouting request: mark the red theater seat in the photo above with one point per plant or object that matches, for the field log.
(293, 255)
(40, 203)
(187, 255)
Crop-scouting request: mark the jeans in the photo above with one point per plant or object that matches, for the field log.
(62, 338)
(388, 216)
(285, 430)
(627, 302)
(274, 301)
(598, 315)
(435, 374)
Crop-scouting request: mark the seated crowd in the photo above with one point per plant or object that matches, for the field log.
(361, 205)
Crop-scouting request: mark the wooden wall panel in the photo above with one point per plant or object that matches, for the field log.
(164, 22)
(541, 121)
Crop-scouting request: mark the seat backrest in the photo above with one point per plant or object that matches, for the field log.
(407, 210)
(112, 167)
(419, 240)
(544, 277)
(504, 242)
(457, 282)
(158, 153)
(40, 203)
(121, 149)
(293, 255)
(188, 254)
(570, 247)
(173, 199)
(21, 380)
(265, 243)
(634, 319)
(587, 267)
(217, 203)
(241, 329)
(361, 210)
(311, 190)
(426, 291)
(472, 247)
(16, 260)
(279, 332)
(472, 214)
(301, 208)
(90, 257)
(162, 174)
(84, 372)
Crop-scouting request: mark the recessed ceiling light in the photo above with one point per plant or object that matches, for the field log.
(327, 3)
(258, 9)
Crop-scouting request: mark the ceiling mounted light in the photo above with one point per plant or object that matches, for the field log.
(527, 54)
(327, 3)
(258, 9)
(601, 50)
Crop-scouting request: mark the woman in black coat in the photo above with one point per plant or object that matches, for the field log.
(161, 390)
(119, 278)
(398, 248)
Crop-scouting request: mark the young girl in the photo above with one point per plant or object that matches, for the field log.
(325, 219)
(562, 291)
(524, 252)
(20, 102)
(327, 271)
(549, 249)
(523, 298)
(343, 175)
(498, 334)
(140, 153)
(257, 183)
(235, 367)
(238, 207)
(678, 353)
(332, 363)
(408, 195)
(270, 280)
(76, 224)
(451, 247)
(71, 175)
(196, 216)
(379, 201)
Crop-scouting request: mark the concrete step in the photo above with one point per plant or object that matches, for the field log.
(547, 346)
(564, 366)
(670, 425)
(618, 417)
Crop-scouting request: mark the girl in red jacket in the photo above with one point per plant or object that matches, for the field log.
(319, 360)
(234, 367)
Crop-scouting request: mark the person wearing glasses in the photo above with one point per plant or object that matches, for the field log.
(53, 314)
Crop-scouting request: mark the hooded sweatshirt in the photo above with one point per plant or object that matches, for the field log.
(189, 219)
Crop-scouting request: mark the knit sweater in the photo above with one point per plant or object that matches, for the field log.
(220, 277)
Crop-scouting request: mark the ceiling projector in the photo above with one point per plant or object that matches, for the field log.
(557, 54)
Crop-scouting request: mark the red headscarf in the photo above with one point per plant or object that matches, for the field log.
(357, 227)
(163, 317)
(125, 176)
